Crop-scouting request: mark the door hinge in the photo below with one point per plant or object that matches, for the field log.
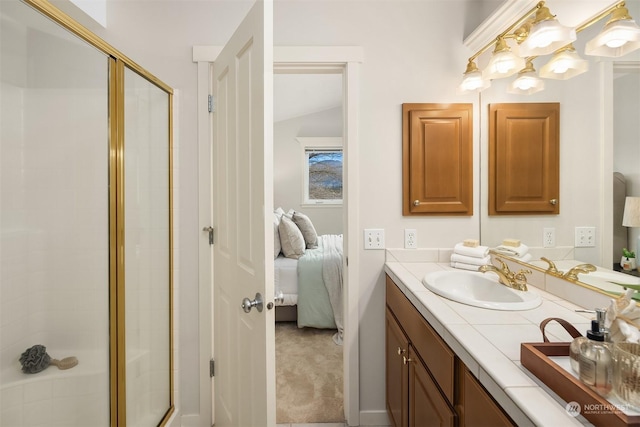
(212, 369)
(210, 231)
(211, 104)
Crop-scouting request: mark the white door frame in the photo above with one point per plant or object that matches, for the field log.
(349, 58)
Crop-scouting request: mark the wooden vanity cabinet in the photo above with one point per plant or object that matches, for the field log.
(477, 408)
(397, 372)
(426, 384)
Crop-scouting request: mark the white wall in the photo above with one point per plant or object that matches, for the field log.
(288, 166)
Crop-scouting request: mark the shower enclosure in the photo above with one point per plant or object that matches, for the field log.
(85, 226)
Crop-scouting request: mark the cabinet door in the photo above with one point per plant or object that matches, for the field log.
(524, 158)
(397, 347)
(437, 156)
(478, 408)
(427, 406)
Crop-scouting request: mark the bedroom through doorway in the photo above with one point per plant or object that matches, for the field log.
(309, 223)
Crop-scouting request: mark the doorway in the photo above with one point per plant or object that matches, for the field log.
(308, 163)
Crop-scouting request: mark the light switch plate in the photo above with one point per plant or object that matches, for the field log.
(585, 237)
(374, 238)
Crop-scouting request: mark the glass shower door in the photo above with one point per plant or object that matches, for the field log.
(147, 250)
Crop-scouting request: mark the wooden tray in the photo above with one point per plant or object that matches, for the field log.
(595, 408)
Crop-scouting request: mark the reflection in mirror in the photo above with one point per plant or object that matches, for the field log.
(599, 135)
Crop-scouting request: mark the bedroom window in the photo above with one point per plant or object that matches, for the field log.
(323, 176)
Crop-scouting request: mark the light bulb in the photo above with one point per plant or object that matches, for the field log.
(615, 43)
(561, 67)
(544, 43)
(472, 84)
(503, 67)
(525, 83)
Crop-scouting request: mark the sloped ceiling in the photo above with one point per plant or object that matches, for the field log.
(297, 95)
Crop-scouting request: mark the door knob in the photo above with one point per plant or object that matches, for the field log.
(248, 304)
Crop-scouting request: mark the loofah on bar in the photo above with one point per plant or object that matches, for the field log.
(35, 359)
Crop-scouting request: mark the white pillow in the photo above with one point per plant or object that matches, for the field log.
(308, 230)
(291, 239)
(277, 247)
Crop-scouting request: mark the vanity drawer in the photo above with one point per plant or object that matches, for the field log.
(435, 353)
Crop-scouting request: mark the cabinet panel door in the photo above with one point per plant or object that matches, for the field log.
(425, 340)
(427, 406)
(479, 409)
(397, 346)
(524, 158)
(437, 167)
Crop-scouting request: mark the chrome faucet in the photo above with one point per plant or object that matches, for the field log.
(572, 274)
(552, 269)
(506, 276)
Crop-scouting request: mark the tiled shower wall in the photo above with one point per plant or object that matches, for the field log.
(55, 224)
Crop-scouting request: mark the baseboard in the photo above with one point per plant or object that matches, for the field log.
(374, 418)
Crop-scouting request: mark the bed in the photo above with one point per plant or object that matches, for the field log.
(309, 276)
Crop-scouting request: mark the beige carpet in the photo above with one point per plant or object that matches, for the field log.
(308, 375)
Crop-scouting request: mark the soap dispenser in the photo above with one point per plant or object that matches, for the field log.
(576, 344)
(596, 363)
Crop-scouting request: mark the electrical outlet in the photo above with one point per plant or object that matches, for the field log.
(549, 237)
(410, 238)
(585, 237)
(374, 238)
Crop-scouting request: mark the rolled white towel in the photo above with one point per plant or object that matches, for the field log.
(463, 266)
(516, 251)
(470, 260)
(477, 252)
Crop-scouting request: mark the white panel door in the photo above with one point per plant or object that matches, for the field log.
(244, 343)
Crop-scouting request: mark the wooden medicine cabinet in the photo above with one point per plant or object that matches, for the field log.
(437, 169)
(524, 159)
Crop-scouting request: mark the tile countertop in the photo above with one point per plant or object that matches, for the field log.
(488, 341)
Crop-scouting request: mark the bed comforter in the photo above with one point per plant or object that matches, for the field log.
(320, 285)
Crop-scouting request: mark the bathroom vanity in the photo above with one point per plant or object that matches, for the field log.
(426, 381)
(461, 364)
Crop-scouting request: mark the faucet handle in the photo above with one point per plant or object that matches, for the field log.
(552, 269)
(520, 279)
(503, 265)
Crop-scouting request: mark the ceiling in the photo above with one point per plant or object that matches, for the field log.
(297, 95)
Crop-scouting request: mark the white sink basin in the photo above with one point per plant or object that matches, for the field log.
(479, 290)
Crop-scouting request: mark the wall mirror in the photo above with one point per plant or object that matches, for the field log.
(598, 136)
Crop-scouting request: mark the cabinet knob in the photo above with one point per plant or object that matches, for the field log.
(401, 351)
(406, 360)
(416, 203)
(553, 201)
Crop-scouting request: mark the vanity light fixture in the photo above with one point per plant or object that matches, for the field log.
(527, 82)
(631, 216)
(503, 62)
(564, 64)
(544, 34)
(619, 36)
(473, 80)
